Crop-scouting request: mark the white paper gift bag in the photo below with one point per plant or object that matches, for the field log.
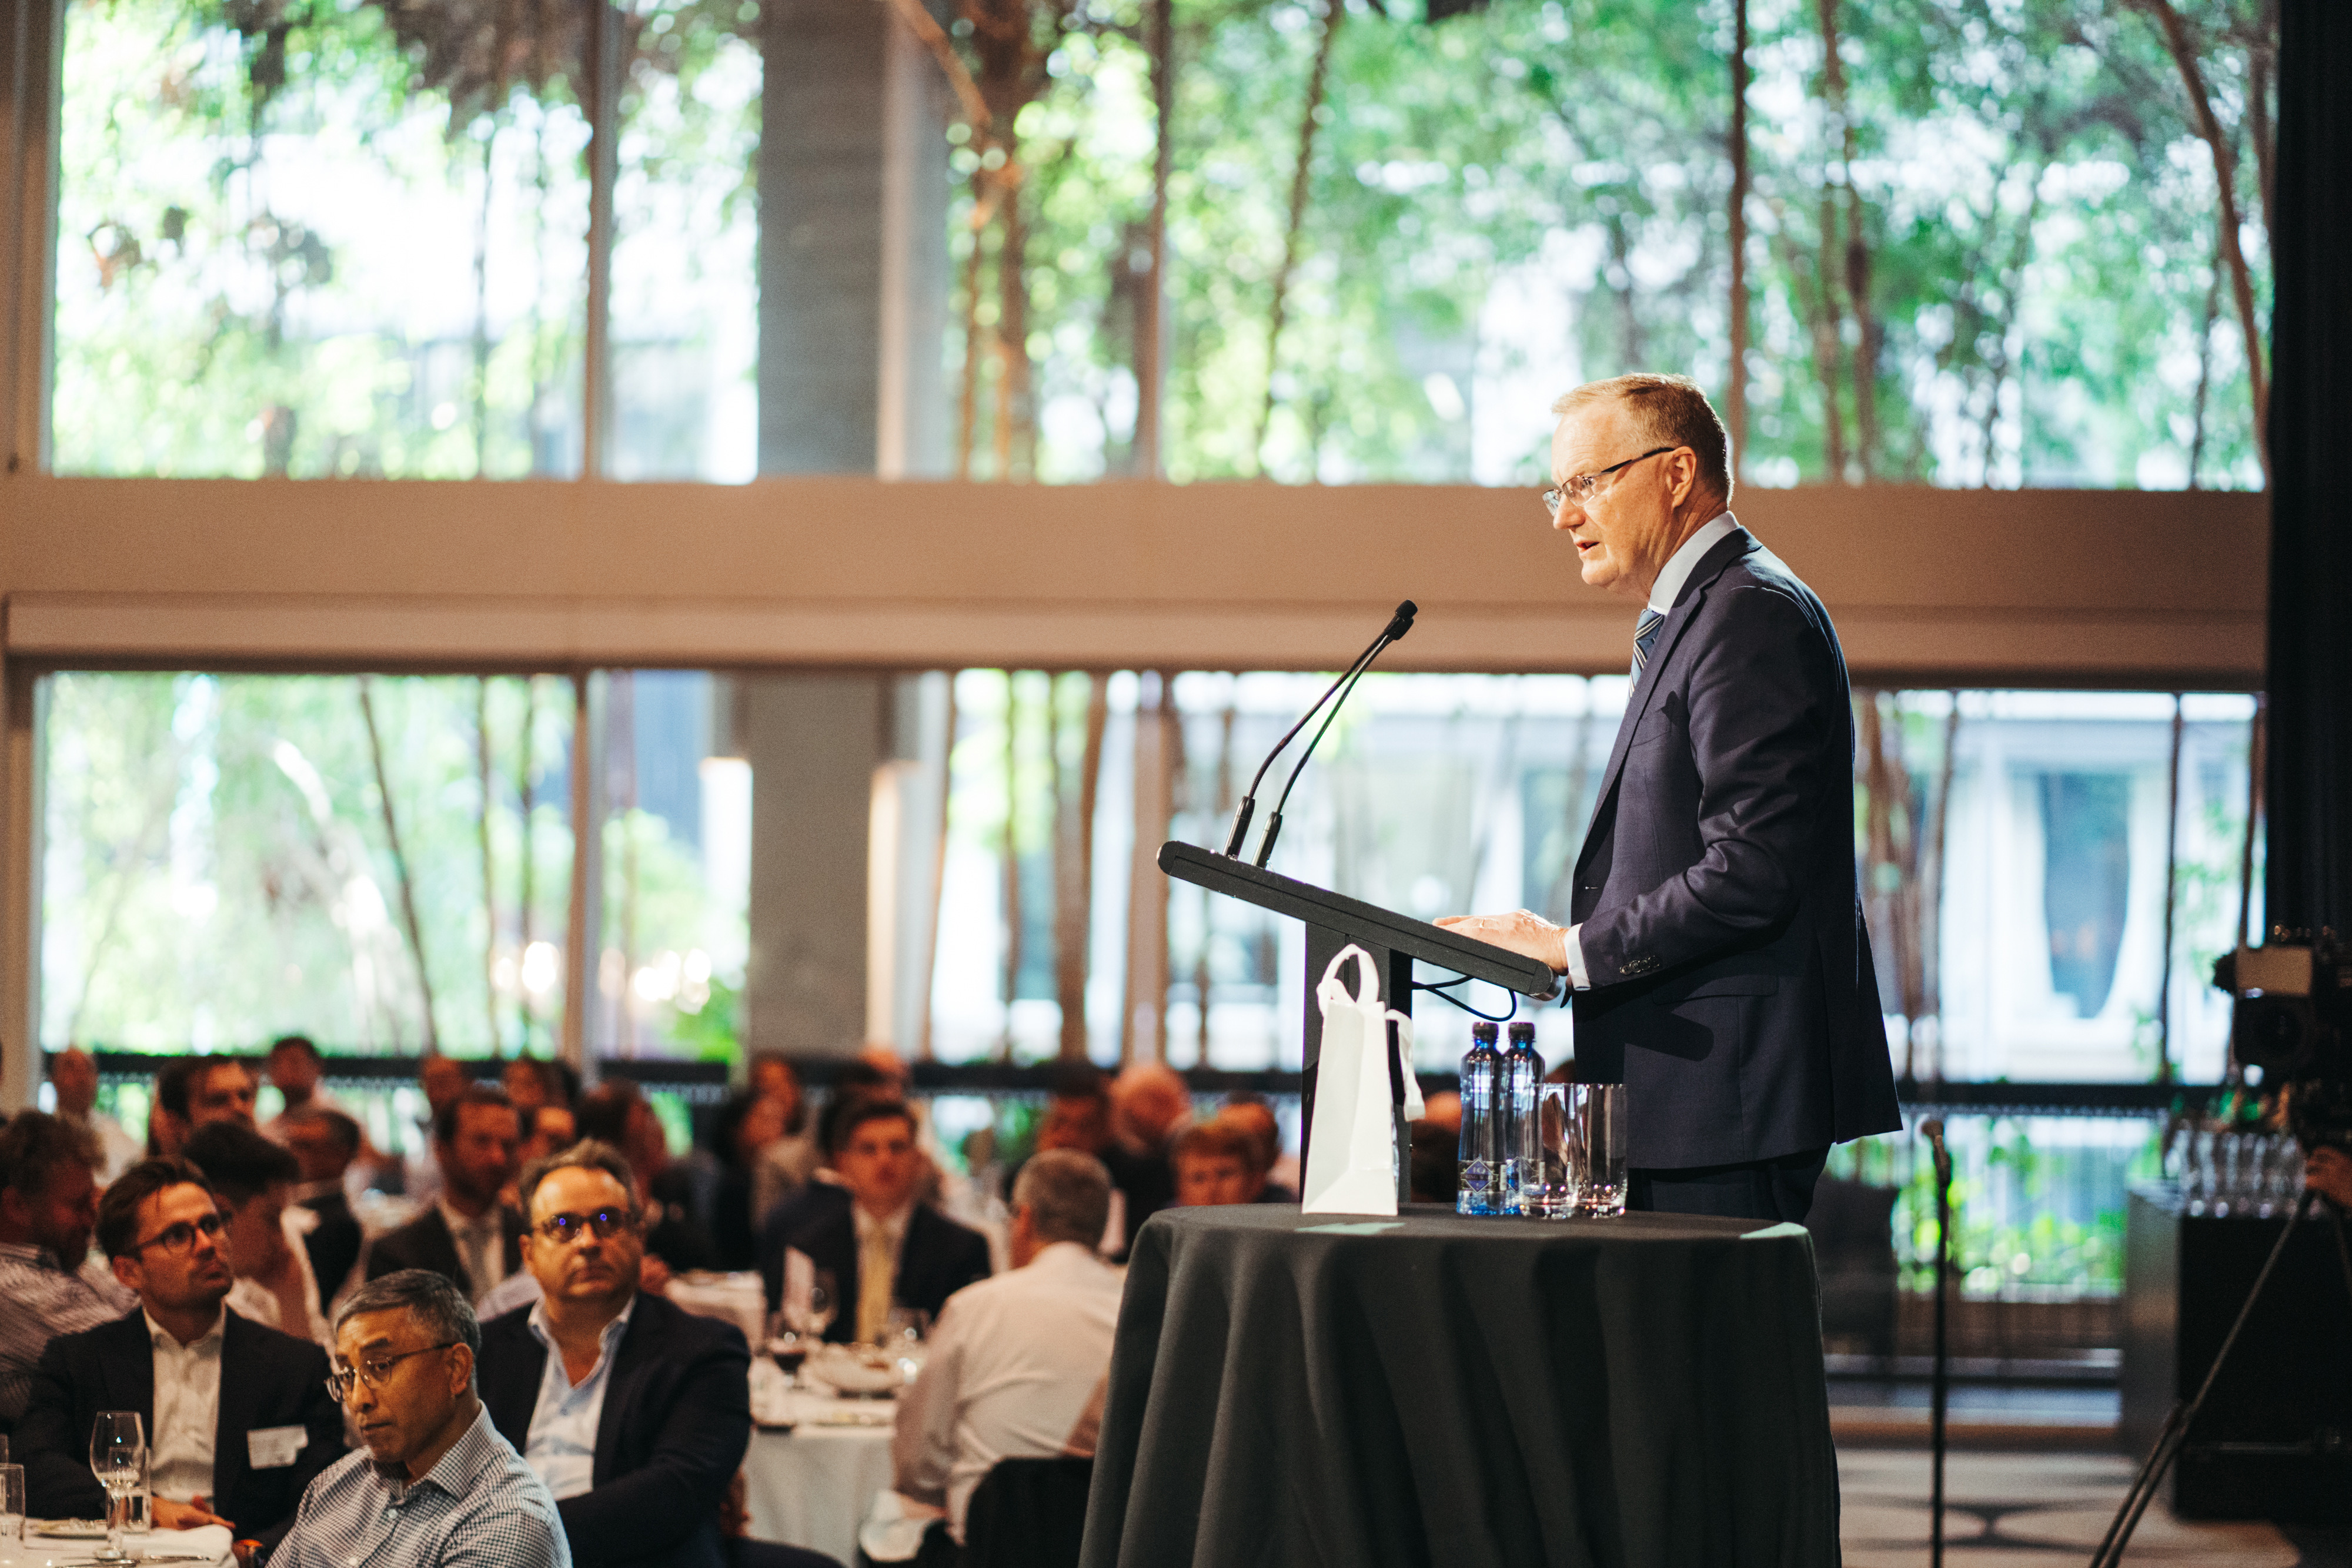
(1351, 1143)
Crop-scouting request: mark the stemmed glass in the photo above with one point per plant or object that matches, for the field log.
(817, 1314)
(117, 1451)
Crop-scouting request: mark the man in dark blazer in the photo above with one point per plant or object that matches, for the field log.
(633, 1412)
(1721, 967)
(261, 1402)
(908, 1253)
(325, 1142)
(467, 1235)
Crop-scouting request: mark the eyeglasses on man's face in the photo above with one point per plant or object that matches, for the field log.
(373, 1371)
(1582, 488)
(178, 1238)
(602, 1223)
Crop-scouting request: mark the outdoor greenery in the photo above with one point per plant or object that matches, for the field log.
(1984, 240)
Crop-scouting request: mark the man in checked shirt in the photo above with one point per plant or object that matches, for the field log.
(434, 1484)
(48, 1205)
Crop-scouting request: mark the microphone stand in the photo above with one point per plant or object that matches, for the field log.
(1398, 624)
(1940, 1396)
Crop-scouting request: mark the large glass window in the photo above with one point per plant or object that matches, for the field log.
(1977, 247)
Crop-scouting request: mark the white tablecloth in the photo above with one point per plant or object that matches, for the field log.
(811, 1486)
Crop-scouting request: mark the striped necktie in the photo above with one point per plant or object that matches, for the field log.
(1646, 636)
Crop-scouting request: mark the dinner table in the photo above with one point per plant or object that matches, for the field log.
(817, 1460)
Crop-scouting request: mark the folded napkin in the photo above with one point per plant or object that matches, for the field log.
(76, 1545)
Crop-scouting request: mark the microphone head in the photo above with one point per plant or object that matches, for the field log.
(1401, 621)
(1932, 1129)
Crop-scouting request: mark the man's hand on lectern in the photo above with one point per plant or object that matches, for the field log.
(2328, 1171)
(1521, 931)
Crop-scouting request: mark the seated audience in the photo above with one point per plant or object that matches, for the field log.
(1080, 1114)
(1254, 1116)
(825, 1193)
(325, 1143)
(527, 1084)
(196, 1092)
(740, 1134)
(786, 1164)
(467, 1235)
(440, 1079)
(435, 1484)
(1216, 1162)
(294, 1070)
(1019, 1364)
(886, 1248)
(49, 1285)
(633, 1412)
(616, 1112)
(254, 1180)
(74, 1076)
(546, 1130)
(237, 1414)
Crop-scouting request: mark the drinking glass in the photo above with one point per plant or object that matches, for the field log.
(12, 1508)
(816, 1315)
(1600, 1111)
(138, 1508)
(118, 1455)
(1549, 1162)
(788, 1347)
(905, 1326)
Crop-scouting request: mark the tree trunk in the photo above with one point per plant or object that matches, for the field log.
(525, 796)
(1016, 423)
(2242, 286)
(1736, 387)
(939, 869)
(2204, 369)
(1822, 311)
(1856, 258)
(1203, 980)
(968, 401)
(1151, 326)
(1011, 857)
(482, 311)
(399, 865)
(490, 867)
(1317, 78)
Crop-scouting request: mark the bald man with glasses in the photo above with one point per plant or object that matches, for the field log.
(236, 1414)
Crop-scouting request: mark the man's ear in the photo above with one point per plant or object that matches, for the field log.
(128, 1272)
(461, 1369)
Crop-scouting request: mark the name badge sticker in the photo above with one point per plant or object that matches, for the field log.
(274, 1447)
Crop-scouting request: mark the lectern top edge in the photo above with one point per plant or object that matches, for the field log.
(1357, 920)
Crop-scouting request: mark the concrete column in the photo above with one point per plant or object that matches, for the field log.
(814, 742)
(853, 243)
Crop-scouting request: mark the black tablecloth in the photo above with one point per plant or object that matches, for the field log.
(1301, 1389)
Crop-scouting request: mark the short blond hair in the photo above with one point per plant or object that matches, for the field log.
(1665, 408)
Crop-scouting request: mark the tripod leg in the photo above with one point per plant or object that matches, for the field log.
(2143, 1483)
(2176, 1436)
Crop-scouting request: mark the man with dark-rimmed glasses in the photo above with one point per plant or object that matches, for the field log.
(435, 1485)
(634, 1412)
(236, 1416)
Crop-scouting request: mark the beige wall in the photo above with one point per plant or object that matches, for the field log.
(2035, 587)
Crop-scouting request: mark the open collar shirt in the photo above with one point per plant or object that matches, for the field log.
(561, 1444)
(480, 1507)
(187, 1410)
(40, 1298)
(1671, 579)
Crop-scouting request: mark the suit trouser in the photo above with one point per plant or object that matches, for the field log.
(1780, 1189)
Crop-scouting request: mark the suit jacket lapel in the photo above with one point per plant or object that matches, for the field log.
(619, 1388)
(130, 1376)
(511, 1379)
(233, 1417)
(1637, 702)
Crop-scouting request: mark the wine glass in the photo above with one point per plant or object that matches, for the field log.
(823, 1303)
(117, 1451)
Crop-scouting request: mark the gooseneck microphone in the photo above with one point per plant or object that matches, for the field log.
(1398, 623)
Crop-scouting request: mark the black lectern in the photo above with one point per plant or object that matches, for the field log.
(1333, 920)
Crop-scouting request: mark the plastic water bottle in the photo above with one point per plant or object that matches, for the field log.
(1515, 1111)
(1481, 1186)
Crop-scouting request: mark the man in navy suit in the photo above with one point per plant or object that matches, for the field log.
(633, 1411)
(1721, 967)
(884, 1247)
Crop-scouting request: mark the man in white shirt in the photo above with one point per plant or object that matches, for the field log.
(74, 1076)
(1018, 1364)
(633, 1411)
(236, 1416)
(49, 1284)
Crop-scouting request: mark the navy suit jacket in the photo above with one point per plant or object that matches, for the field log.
(268, 1379)
(1733, 992)
(425, 1242)
(937, 1258)
(675, 1422)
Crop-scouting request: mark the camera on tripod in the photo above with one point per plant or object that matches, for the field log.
(2291, 1026)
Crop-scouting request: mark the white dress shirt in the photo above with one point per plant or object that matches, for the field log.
(1017, 1369)
(481, 1245)
(187, 1411)
(1663, 594)
(561, 1444)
